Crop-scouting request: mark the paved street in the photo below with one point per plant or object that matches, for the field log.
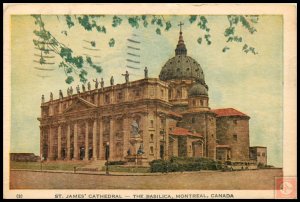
(255, 179)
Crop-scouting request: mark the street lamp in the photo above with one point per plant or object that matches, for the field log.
(42, 162)
(107, 156)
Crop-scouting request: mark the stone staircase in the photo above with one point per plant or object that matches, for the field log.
(93, 166)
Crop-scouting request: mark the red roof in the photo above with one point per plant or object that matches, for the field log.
(175, 114)
(228, 112)
(183, 131)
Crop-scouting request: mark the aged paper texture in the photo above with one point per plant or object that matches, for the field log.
(149, 101)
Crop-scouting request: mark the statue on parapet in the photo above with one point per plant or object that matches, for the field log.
(96, 83)
(51, 96)
(126, 76)
(111, 80)
(43, 99)
(146, 73)
(60, 94)
(71, 91)
(78, 89)
(83, 88)
(89, 86)
(102, 83)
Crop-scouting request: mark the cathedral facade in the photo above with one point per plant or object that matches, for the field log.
(144, 120)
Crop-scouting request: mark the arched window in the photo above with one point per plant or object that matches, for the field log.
(151, 150)
(151, 138)
(201, 102)
(178, 93)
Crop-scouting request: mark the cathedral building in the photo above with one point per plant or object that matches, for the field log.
(144, 120)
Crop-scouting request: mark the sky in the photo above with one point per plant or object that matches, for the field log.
(252, 84)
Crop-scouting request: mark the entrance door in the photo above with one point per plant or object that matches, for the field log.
(90, 153)
(81, 154)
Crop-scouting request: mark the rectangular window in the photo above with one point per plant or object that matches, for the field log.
(263, 154)
(162, 92)
(107, 98)
(120, 96)
(235, 137)
(152, 123)
(258, 153)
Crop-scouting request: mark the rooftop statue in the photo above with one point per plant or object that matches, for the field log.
(96, 83)
(126, 76)
(71, 90)
(102, 83)
(89, 86)
(43, 99)
(146, 73)
(83, 88)
(78, 89)
(111, 80)
(60, 94)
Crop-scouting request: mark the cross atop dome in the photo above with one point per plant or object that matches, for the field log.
(180, 24)
(180, 49)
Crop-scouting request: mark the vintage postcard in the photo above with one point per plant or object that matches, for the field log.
(159, 101)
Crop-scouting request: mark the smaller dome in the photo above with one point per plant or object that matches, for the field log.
(198, 89)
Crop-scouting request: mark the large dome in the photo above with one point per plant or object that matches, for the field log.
(182, 66)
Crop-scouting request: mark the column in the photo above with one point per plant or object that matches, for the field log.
(68, 142)
(59, 143)
(86, 141)
(59, 107)
(126, 93)
(41, 142)
(101, 97)
(126, 136)
(175, 146)
(96, 99)
(101, 153)
(146, 135)
(157, 136)
(50, 156)
(95, 139)
(111, 139)
(167, 139)
(75, 142)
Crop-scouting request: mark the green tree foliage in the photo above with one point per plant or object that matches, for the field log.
(79, 65)
(70, 64)
(247, 23)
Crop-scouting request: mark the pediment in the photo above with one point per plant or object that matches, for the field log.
(79, 104)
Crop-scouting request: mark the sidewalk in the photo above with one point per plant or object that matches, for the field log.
(111, 173)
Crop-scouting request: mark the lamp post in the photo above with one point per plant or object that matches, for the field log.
(41, 162)
(107, 156)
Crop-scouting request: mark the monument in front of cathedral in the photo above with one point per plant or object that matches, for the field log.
(144, 120)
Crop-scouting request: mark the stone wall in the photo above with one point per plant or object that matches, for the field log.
(234, 131)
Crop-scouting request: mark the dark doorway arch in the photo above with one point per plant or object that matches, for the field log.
(81, 153)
